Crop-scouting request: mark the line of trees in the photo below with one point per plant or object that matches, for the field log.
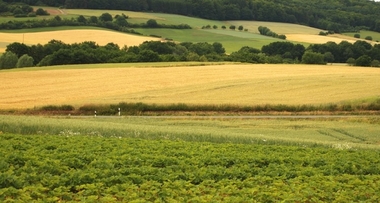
(267, 32)
(106, 20)
(334, 15)
(56, 52)
(360, 53)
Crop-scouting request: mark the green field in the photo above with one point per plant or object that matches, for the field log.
(364, 33)
(279, 28)
(351, 132)
(232, 40)
(131, 159)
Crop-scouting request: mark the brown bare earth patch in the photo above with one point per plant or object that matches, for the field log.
(216, 84)
(102, 37)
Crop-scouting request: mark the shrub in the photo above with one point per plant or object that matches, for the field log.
(351, 61)
(364, 60)
(232, 27)
(282, 37)
(58, 108)
(8, 60)
(152, 23)
(375, 63)
(368, 38)
(313, 58)
(41, 12)
(25, 61)
(32, 15)
(106, 17)
(357, 35)
(323, 33)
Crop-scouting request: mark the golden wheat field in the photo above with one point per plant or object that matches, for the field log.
(101, 37)
(214, 84)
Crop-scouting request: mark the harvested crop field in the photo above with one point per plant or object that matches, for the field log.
(319, 39)
(215, 84)
(102, 37)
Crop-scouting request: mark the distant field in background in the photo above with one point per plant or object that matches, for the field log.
(279, 28)
(231, 40)
(100, 36)
(215, 84)
(364, 33)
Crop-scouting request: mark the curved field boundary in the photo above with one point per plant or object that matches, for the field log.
(102, 37)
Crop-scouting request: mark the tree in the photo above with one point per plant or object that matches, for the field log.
(357, 35)
(364, 60)
(25, 61)
(351, 61)
(215, 26)
(313, 58)
(240, 28)
(223, 27)
(192, 57)
(152, 23)
(218, 48)
(18, 48)
(121, 21)
(8, 60)
(93, 19)
(41, 12)
(148, 56)
(329, 57)
(375, 63)
(282, 37)
(81, 19)
(368, 38)
(106, 17)
(232, 27)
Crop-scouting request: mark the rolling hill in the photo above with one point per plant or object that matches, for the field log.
(232, 40)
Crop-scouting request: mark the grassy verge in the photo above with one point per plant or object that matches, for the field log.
(369, 107)
(349, 132)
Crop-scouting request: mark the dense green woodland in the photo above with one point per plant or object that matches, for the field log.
(334, 15)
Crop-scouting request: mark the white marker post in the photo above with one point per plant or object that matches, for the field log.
(119, 112)
(95, 113)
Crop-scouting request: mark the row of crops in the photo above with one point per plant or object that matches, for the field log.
(78, 168)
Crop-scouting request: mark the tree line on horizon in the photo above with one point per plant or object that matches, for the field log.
(56, 52)
(334, 15)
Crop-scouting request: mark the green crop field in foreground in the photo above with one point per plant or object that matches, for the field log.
(69, 167)
(131, 159)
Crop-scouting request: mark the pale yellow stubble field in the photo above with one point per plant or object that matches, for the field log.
(217, 84)
(101, 37)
